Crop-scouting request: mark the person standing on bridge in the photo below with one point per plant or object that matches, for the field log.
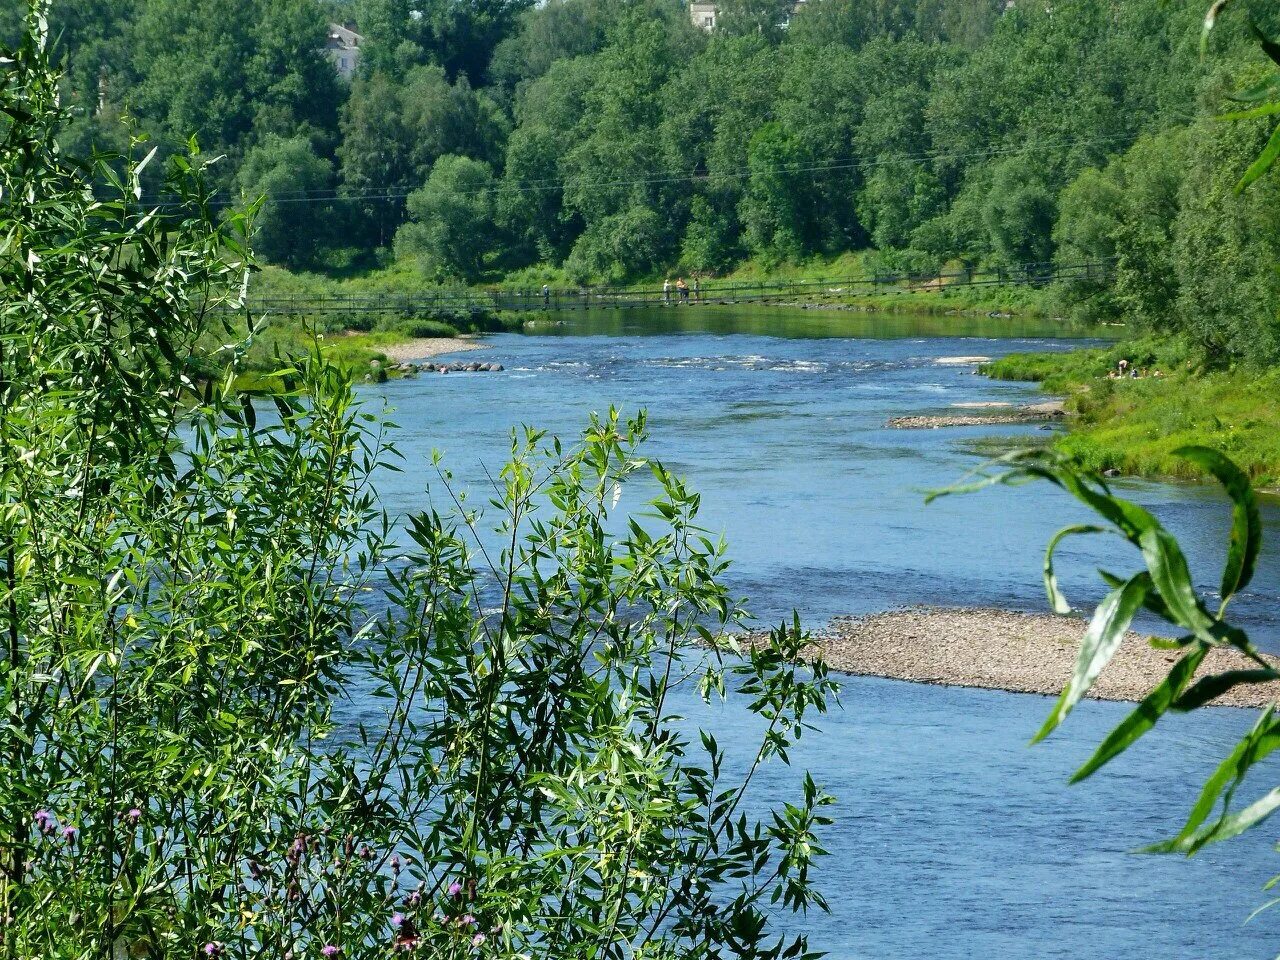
(546, 296)
(666, 290)
(697, 289)
(682, 288)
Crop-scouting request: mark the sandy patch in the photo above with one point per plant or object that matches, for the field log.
(423, 348)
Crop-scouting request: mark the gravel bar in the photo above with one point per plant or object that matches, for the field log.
(1006, 650)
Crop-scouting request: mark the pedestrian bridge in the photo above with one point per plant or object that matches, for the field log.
(797, 292)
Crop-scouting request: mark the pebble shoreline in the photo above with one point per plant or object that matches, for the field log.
(1030, 413)
(1006, 650)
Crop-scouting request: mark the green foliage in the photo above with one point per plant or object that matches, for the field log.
(1226, 246)
(1163, 587)
(283, 174)
(451, 224)
(280, 82)
(218, 740)
(897, 125)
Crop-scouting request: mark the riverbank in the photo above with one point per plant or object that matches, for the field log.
(1004, 650)
(1132, 426)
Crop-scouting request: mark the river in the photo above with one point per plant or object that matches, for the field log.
(953, 838)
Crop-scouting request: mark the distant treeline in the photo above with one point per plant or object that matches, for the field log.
(613, 139)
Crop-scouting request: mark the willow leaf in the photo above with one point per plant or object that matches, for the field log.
(1265, 161)
(1172, 579)
(1146, 714)
(1102, 639)
(1246, 521)
(1056, 599)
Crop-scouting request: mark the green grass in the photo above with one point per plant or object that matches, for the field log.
(1134, 426)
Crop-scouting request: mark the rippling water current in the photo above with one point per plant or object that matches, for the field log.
(953, 839)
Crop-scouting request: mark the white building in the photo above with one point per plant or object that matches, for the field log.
(705, 14)
(343, 48)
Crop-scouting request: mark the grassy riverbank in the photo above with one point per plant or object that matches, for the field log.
(1134, 426)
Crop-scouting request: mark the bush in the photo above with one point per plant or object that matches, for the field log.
(428, 328)
(217, 740)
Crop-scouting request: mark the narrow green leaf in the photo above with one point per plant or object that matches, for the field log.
(1264, 162)
(1257, 744)
(1228, 826)
(1269, 46)
(1057, 601)
(1268, 89)
(1208, 689)
(1102, 639)
(1266, 110)
(1246, 520)
(1172, 579)
(1146, 714)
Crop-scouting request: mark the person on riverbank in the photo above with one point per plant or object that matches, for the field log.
(546, 296)
(683, 289)
(666, 290)
(697, 289)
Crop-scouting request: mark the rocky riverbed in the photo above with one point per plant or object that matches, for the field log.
(1005, 650)
(1029, 413)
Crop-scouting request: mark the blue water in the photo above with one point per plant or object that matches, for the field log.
(953, 839)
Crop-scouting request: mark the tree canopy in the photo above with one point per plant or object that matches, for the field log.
(623, 140)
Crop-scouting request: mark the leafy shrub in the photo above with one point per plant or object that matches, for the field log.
(238, 720)
(428, 328)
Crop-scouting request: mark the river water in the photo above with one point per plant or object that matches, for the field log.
(953, 839)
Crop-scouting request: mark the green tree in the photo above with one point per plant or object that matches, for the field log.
(223, 69)
(1226, 245)
(1019, 212)
(1125, 214)
(775, 206)
(298, 217)
(394, 131)
(451, 219)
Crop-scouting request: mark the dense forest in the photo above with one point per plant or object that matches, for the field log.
(613, 139)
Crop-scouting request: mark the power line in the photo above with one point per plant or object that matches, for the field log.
(662, 177)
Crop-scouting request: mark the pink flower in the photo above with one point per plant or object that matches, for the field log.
(212, 949)
(328, 950)
(69, 833)
(134, 815)
(468, 921)
(477, 939)
(455, 888)
(397, 920)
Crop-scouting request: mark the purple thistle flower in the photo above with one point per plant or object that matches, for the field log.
(477, 940)
(69, 833)
(395, 863)
(455, 888)
(468, 921)
(212, 949)
(397, 920)
(415, 898)
(328, 950)
(43, 817)
(134, 815)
